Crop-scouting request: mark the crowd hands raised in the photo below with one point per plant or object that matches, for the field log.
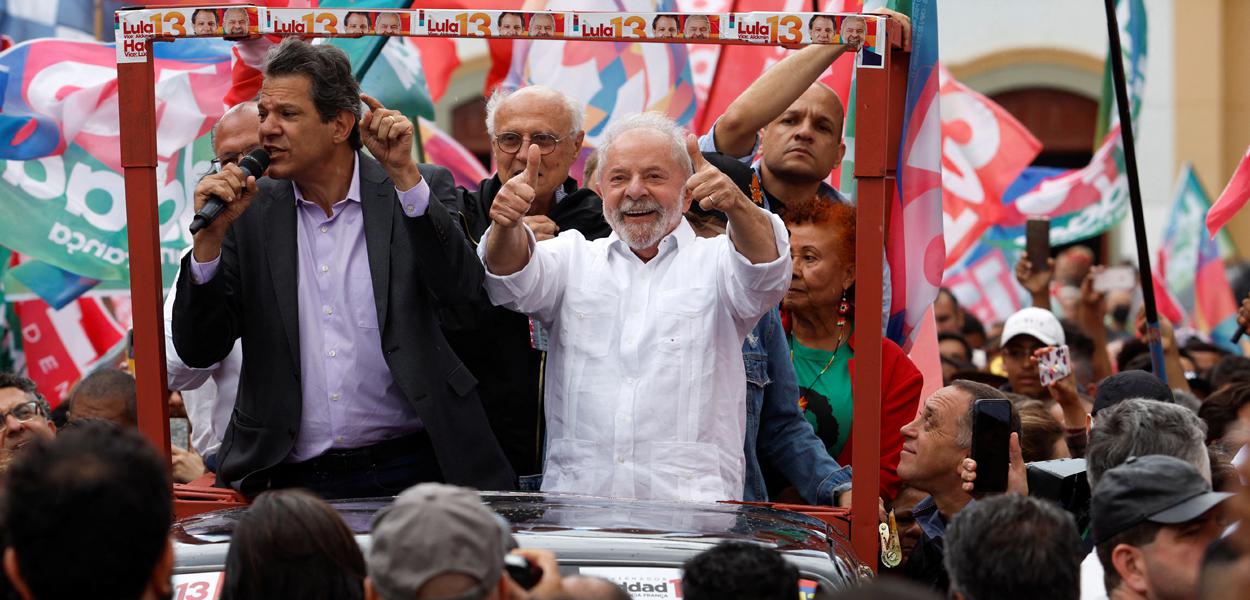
(676, 326)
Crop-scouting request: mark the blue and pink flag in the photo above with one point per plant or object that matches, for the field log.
(1190, 263)
(914, 243)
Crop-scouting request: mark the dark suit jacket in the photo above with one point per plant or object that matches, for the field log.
(414, 262)
(871, 58)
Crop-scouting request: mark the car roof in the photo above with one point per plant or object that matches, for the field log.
(586, 531)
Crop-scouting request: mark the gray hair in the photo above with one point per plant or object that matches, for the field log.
(332, 86)
(1138, 427)
(576, 112)
(651, 121)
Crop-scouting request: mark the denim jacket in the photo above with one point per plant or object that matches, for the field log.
(776, 428)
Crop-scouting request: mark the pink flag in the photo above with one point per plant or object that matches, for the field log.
(984, 149)
(1232, 198)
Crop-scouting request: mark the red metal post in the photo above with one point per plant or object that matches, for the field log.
(136, 91)
(880, 97)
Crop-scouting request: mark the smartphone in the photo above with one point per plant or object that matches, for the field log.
(1054, 365)
(525, 573)
(991, 440)
(1037, 242)
(1116, 279)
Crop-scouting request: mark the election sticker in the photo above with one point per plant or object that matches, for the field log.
(339, 22)
(198, 586)
(642, 26)
(456, 23)
(642, 583)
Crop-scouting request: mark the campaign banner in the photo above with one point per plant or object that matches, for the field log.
(132, 28)
(865, 32)
(646, 26)
(338, 22)
(492, 23)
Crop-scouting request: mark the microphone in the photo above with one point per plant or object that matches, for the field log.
(254, 164)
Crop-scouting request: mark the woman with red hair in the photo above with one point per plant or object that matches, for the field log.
(821, 316)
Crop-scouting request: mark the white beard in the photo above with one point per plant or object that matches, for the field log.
(642, 236)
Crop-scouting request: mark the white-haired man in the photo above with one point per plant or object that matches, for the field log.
(644, 380)
(501, 348)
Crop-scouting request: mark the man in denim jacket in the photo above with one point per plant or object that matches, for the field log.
(776, 430)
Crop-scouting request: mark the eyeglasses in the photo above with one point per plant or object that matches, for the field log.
(23, 412)
(228, 159)
(510, 142)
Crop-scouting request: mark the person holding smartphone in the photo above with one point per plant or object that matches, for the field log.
(936, 446)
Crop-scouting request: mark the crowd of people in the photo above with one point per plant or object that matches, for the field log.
(677, 325)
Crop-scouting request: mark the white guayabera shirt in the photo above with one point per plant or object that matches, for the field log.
(645, 386)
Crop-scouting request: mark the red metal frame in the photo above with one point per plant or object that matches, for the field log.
(880, 99)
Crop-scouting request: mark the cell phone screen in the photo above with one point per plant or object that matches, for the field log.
(991, 439)
(1037, 243)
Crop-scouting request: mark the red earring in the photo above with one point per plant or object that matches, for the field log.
(844, 309)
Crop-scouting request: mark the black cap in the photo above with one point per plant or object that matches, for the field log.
(1156, 488)
(1126, 385)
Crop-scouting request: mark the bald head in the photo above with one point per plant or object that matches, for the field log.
(593, 588)
(804, 143)
(237, 132)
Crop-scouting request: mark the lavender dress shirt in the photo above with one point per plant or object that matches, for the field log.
(350, 399)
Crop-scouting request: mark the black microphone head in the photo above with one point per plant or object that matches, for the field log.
(255, 162)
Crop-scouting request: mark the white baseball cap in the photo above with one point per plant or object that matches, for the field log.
(1037, 322)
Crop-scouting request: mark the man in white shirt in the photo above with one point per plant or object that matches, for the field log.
(644, 373)
(209, 393)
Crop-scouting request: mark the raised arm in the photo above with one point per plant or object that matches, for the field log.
(508, 251)
(750, 229)
(771, 95)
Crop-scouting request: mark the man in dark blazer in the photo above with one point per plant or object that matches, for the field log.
(348, 386)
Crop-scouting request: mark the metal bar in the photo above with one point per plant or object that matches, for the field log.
(1134, 193)
(880, 99)
(136, 90)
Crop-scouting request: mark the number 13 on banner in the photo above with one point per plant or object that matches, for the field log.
(792, 26)
(198, 586)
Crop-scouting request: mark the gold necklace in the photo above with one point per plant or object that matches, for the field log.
(810, 386)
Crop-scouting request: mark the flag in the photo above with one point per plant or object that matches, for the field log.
(63, 345)
(914, 245)
(57, 287)
(1088, 201)
(984, 282)
(443, 150)
(62, 196)
(1190, 266)
(984, 149)
(1232, 199)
